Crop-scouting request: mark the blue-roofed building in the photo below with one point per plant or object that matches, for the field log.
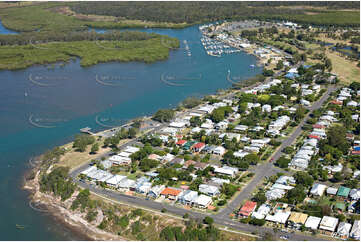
(291, 75)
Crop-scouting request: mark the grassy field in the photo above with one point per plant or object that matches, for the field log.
(73, 159)
(346, 70)
(90, 52)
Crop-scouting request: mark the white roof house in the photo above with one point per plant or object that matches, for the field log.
(312, 222)
(177, 124)
(203, 201)
(281, 186)
(106, 176)
(226, 170)
(329, 223)
(144, 187)
(155, 191)
(274, 194)
(305, 102)
(352, 103)
(261, 212)
(354, 194)
(126, 183)
(266, 108)
(285, 180)
(206, 109)
(88, 170)
(279, 217)
(188, 197)
(334, 169)
(240, 153)
(318, 189)
(196, 130)
(219, 180)
(124, 154)
(241, 127)
(344, 229)
(208, 124)
(131, 149)
(355, 231)
(219, 150)
(113, 181)
(168, 157)
(331, 191)
(209, 190)
(230, 136)
(251, 149)
(120, 160)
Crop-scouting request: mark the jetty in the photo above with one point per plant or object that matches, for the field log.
(87, 130)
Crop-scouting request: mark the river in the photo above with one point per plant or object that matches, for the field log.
(44, 106)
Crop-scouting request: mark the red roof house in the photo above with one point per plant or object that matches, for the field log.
(181, 142)
(318, 126)
(313, 137)
(171, 193)
(337, 102)
(247, 209)
(197, 147)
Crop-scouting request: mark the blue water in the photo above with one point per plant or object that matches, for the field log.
(44, 106)
(4, 30)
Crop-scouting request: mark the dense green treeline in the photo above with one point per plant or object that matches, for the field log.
(326, 4)
(196, 12)
(90, 52)
(40, 37)
(329, 18)
(58, 183)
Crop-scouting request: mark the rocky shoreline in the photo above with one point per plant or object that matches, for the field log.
(60, 210)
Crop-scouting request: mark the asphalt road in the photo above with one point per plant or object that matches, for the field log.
(150, 204)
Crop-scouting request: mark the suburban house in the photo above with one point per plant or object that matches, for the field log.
(343, 229)
(120, 160)
(226, 170)
(203, 201)
(312, 222)
(331, 191)
(113, 181)
(181, 142)
(296, 220)
(177, 160)
(200, 165)
(155, 191)
(171, 193)
(279, 217)
(247, 209)
(261, 212)
(209, 190)
(198, 147)
(343, 192)
(143, 188)
(219, 150)
(318, 189)
(328, 224)
(126, 184)
(355, 231)
(188, 197)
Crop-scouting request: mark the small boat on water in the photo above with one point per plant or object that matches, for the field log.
(18, 226)
(252, 66)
